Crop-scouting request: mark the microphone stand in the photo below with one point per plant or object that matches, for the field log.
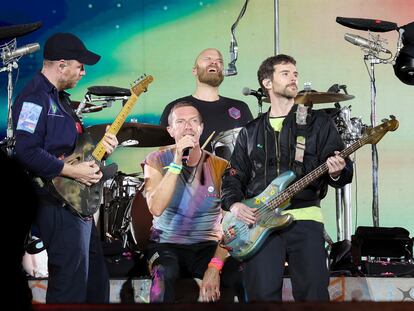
(374, 152)
(9, 140)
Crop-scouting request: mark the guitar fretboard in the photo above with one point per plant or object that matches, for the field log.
(100, 151)
(290, 191)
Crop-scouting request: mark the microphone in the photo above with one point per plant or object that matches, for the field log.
(186, 154)
(248, 91)
(27, 49)
(374, 25)
(232, 70)
(365, 43)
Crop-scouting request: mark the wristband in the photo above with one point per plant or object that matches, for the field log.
(175, 168)
(216, 263)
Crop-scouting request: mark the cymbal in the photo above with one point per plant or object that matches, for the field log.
(145, 135)
(313, 97)
(13, 31)
(308, 98)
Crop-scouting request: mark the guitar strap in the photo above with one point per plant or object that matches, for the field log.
(301, 132)
(64, 99)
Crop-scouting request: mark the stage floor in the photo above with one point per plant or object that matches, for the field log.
(341, 289)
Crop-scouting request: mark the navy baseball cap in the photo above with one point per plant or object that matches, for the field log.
(67, 46)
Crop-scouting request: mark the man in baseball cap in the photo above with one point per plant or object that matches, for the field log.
(46, 131)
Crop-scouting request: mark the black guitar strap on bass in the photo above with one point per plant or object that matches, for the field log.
(301, 132)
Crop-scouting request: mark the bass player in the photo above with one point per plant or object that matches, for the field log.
(285, 138)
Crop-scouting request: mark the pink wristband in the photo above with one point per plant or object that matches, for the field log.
(216, 263)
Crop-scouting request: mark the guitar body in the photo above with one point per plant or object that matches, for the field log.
(84, 200)
(243, 241)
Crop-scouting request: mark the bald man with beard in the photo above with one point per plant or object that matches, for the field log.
(218, 112)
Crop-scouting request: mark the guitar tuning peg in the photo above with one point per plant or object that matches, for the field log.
(392, 117)
(384, 120)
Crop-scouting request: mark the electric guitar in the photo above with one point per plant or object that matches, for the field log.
(243, 241)
(85, 200)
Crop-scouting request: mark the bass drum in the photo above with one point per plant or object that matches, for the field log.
(141, 220)
(223, 144)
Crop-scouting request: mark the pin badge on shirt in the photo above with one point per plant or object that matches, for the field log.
(234, 113)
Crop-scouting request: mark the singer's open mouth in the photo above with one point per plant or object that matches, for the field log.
(212, 69)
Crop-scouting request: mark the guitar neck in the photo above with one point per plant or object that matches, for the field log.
(99, 150)
(299, 185)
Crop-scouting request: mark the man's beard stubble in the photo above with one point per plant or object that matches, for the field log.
(213, 79)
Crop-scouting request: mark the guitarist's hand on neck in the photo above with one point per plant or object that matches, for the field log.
(109, 141)
(87, 173)
(335, 165)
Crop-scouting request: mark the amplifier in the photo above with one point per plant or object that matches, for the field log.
(386, 269)
(388, 244)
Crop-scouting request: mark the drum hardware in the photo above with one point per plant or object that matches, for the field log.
(118, 197)
(372, 48)
(88, 107)
(351, 129)
(147, 135)
(10, 56)
(223, 144)
(105, 95)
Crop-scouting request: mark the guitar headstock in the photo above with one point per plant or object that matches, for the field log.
(374, 135)
(140, 85)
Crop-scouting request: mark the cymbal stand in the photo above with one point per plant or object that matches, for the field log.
(350, 132)
(9, 65)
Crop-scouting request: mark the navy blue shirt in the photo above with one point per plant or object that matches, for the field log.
(45, 130)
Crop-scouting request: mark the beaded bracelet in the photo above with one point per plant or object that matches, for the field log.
(216, 263)
(175, 168)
